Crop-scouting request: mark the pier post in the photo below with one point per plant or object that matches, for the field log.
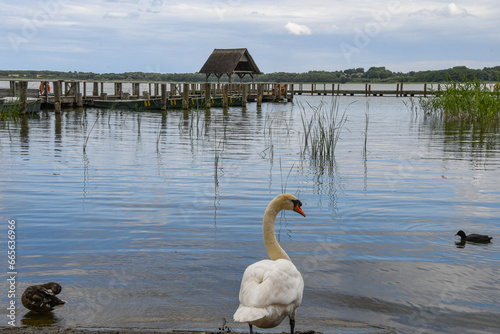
(292, 92)
(78, 94)
(57, 96)
(12, 90)
(425, 90)
(277, 92)
(163, 96)
(95, 90)
(46, 91)
(79, 100)
(244, 95)
(402, 93)
(136, 89)
(185, 96)
(260, 93)
(208, 95)
(23, 87)
(119, 90)
(225, 89)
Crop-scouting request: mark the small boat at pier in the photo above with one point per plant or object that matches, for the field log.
(13, 104)
(172, 103)
(138, 105)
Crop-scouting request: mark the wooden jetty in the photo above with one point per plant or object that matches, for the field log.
(398, 90)
(60, 93)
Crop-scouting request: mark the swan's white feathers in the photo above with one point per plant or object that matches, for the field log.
(271, 290)
(269, 287)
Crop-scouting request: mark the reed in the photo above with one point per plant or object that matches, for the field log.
(322, 126)
(88, 135)
(10, 110)
(158, 138)
(472, 101)
(367, 121)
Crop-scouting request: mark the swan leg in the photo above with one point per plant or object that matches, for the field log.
(292, 325)
(251, 329)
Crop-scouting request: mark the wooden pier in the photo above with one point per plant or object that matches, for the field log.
(60, 93)
(397, 90)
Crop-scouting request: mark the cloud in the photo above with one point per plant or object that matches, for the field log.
(121, 15)
(451, 10)
(297, 29)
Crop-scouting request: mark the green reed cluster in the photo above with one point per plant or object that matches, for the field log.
(322, 126)
(465, 101)
(10, 110)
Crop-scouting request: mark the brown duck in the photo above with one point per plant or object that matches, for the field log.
(42, 298)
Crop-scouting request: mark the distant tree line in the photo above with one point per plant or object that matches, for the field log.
(354, 75)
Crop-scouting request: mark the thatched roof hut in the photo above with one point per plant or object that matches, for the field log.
(230, 61)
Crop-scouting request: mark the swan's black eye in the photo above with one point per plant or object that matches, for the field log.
(296, 202)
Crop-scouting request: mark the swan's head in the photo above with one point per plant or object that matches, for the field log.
(290, 202)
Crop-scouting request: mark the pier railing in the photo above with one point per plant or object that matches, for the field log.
(61, 93)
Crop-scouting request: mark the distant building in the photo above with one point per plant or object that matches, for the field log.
(229, 62)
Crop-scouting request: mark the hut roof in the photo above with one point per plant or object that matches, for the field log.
(230, 61)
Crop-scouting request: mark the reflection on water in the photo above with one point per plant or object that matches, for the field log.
(34, 319)
(465, 140)
(148, 220)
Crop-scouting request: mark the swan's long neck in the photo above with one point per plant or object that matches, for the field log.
(273, 248)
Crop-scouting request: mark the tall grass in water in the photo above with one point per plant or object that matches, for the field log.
(9, 110)
(322, 126)
(473, 101)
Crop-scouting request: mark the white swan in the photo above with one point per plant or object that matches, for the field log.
(271, 289)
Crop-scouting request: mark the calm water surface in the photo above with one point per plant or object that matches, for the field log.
(153, 223)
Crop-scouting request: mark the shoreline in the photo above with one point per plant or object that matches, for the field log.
(340, 327)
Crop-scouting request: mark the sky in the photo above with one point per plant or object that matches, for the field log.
(116, 36)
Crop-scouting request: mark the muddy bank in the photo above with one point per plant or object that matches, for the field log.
(340, 328)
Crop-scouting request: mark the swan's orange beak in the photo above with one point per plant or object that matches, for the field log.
(298, 209)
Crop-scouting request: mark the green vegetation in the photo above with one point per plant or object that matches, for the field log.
(466, 100)
(9, 110)
(322, 127)
(353, 75)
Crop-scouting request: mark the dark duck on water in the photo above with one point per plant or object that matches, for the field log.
(42, 298)
(477, 238)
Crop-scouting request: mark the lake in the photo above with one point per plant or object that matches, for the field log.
(149, 220)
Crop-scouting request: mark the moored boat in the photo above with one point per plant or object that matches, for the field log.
(139, 104)
(13, 104)
(171, 103)
(232, 101)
